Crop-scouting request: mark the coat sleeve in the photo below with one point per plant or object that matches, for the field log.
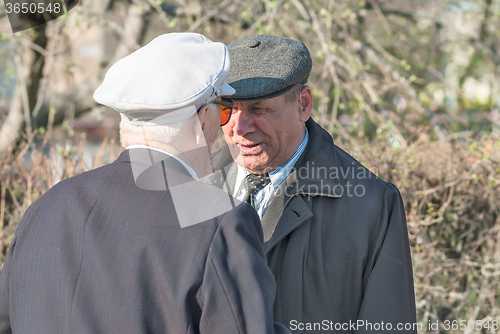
(238, 288)
(4, 292)
(389, 297)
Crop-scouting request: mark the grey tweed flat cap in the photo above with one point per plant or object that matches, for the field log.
(266, 66)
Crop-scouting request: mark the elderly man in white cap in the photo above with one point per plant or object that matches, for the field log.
(139, 245)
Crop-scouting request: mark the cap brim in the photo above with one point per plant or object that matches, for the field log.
(226, 90)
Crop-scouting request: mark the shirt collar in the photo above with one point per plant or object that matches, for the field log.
(279, 175)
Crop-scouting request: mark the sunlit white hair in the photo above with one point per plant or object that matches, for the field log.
(142, 134)
(134, 134)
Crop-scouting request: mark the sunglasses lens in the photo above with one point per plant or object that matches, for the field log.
(225, 113)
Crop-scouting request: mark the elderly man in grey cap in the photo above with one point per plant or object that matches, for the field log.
(140, 245)
(335, 235)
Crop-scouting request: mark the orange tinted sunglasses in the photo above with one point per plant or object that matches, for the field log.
(226, 109)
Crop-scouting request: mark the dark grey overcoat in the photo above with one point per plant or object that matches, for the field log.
(337, 244)
(99, 254)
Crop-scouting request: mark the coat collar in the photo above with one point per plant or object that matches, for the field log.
(314, 174)
(154, 170)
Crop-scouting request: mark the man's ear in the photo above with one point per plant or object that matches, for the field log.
(306, 102)
(202, 116)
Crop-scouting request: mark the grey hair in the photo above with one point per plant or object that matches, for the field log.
(165, 133)
(293, 93)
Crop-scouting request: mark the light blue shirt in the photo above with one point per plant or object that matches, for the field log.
(264, 197)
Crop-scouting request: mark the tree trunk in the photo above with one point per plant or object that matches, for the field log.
(80, 95)
(14, 124)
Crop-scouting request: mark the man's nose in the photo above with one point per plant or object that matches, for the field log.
(243, 121)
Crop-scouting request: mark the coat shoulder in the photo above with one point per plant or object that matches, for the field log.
(352, 171)
(363, 187)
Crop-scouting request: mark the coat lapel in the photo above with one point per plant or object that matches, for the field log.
(230, 177)
(275, 213)
(225, 171)
(289, 209)
(276, 227)
(223, 178)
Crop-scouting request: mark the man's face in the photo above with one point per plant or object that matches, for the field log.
(266, 133)
(212, 123)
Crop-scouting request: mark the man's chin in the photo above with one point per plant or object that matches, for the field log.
(253, 165)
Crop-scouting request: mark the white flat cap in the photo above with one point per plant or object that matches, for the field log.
(166, 80)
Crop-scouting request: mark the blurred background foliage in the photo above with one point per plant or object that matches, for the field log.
(410, 88)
